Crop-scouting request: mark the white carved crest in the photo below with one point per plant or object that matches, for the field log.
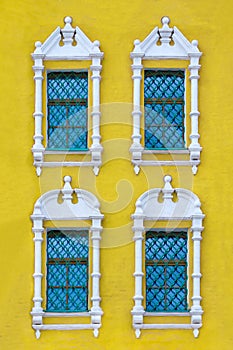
(68, 43)
(153, 207)
(165, 43)
(49, 207)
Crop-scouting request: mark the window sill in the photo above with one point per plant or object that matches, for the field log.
(66, 314)
(161, 314)
(167, 151)
(48, 151)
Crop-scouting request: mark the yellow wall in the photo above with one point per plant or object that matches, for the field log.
(116, 24)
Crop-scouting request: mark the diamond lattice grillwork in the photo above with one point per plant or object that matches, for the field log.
(67, 110)
(166, 271)
(67, 270)
(164, 109)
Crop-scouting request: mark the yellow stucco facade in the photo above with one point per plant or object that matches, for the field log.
(116, 25)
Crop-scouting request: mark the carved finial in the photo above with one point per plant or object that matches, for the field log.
(38, 46)
(197, 206)
(96, 43)
(136, 42)
(139, 209)
(37, 334)
(165, 32)
(167, 190)
(67, 189)
(136, 169)
(96, 170)
(165, 20)
(68, 32)
(167, 178)
(195, 43)
(68, 20)
(37, 208)
(96, 46)
(96, 332)
(67, 179)
(38, 170)
(194, 169)
(137, 333)
(196, 333)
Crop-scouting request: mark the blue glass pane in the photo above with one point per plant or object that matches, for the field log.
(151, 296)
(155, 276)
(175, 276)
(56, 275)
(163, 84)
(55, 299)
(166, 271)
(77, 299)
(176, 299)
(67, 270)
(164, 109)
(67, 110)
(67, 85)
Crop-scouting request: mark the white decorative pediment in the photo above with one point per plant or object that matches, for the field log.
(52, 206)
(165, 43)
(152, 206)
(68, 44)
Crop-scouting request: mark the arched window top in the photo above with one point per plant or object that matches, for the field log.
(186, 206)
(48, 207)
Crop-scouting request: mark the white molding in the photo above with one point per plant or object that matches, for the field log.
(48, 208)
(149, 208)
(52, 50)
(149, 49)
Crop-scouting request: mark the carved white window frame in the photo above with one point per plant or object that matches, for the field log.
(47, 208)
(149, 49)
(149, 208)
(51, 50)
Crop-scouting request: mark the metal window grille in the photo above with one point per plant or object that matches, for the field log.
(164, 109)
(67, 271)
(67, 94)
(166, 271)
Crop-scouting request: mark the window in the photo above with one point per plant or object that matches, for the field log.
(162, 259)
(67, 267)
(67, 270)
(164, 109)
(67, 95)
(163, 113)
(69, 130)
(166, 271)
